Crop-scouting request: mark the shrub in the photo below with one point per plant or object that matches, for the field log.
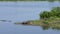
(54, 12)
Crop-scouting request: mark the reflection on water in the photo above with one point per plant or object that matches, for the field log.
(53, 28)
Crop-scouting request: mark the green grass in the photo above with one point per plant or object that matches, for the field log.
(36, 22)
(53, 22)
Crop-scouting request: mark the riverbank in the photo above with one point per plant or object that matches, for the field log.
(53, 22)
(47, 19)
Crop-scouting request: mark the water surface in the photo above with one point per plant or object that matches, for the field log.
(23, 11)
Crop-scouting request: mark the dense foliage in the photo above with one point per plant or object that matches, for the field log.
(55, 12)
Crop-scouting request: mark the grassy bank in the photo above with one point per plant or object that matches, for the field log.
(49, 19)
(53, 22)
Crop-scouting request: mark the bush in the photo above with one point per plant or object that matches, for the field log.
(45, 14)
(54, 12)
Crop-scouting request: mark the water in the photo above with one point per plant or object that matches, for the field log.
(23, 11)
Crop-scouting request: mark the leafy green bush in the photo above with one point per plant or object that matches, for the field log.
(45, 14)
(55, 12)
